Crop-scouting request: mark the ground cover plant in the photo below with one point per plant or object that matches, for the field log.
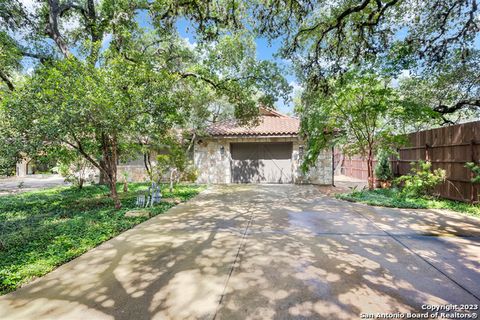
(41, 230)
(395, 199)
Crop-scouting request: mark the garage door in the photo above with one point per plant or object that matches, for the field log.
(261, 162)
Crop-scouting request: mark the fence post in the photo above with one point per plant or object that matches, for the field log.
(427, 156)
(472, 159)
(397, 165)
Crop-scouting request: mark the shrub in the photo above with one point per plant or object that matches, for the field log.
(382, 169)
(77, 172)
(475, 169)
(422, 180)
(190, 173)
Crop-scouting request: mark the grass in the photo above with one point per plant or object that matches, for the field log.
(42, 230)
(393, 198)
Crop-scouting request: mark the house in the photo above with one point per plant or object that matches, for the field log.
(268, 152)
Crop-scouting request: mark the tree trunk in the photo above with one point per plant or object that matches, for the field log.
(125, 186)
(172, 178)
(109, 165)
(114, 194)
(148, 165)
(371, 184)
(102, 179)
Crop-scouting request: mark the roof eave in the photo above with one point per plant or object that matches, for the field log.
(253, 136)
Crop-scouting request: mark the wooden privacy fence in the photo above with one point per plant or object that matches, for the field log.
(355, 167)
(448, 148)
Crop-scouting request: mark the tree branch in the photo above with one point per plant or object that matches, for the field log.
(8, 82)
(51, 29)
(444, 109)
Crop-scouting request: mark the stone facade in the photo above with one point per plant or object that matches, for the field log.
(135, 173)
(212, 158)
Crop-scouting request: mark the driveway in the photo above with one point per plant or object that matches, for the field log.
(265, 252)
(31, 182)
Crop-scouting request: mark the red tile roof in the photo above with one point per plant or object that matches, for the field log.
(271, 123)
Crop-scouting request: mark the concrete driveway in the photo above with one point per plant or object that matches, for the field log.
(12, 185)
(265, 252)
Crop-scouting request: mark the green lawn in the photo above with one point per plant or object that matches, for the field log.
(41, 230)
(392, 198)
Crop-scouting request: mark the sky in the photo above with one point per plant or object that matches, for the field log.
(265, 51)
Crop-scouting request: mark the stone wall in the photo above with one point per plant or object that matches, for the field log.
(135, 173)
(320, 174)
(213, 161)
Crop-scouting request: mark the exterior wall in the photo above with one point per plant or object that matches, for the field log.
(322, 172)
(213, 160)
(22, 168)
(212, 163)
(135, 173)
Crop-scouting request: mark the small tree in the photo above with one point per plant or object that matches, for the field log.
(383, 170)
(173, 163)
(361, 112)
(476, 171)
(77, 171)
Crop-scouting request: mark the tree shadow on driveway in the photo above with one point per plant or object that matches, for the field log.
(264, 252)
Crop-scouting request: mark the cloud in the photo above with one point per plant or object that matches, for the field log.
(30, 5)
(405, 74)
(296, 87)
(189, 43)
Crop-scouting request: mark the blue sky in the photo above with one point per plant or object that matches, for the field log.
(265, 51)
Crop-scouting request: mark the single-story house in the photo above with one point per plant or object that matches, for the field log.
(269, 152)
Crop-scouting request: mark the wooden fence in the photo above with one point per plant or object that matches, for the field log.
(448, 148)
(355, 167)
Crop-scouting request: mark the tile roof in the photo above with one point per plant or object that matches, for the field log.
(271, 123)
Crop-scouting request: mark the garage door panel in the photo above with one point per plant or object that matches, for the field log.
(247, 171)
(261, 162)
(277, 171)
(277, 151)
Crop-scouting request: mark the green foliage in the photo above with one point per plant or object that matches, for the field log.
(452, 88)
(327, 37)
(476, 171)
(395, 199)
(422, 180)
(190, 174)
(361, 112)
(7, 166)
(41, 230)
(383, 170)
(78, 171)
(174, 164)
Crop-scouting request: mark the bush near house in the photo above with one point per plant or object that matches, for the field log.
(41, 230)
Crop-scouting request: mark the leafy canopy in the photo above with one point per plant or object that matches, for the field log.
(362, 112)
